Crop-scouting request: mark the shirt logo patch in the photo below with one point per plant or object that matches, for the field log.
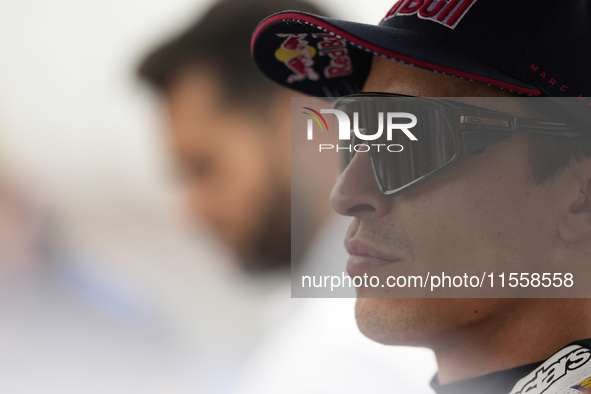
(569, 365)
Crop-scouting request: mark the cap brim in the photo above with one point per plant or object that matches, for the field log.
(362, 42)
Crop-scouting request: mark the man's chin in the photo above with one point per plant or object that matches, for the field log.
(392, 321)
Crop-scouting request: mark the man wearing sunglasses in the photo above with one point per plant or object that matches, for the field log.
(493, 180)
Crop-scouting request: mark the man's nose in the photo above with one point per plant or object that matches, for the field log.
(356, 191)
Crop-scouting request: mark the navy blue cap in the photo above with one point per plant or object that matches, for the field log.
(533, 47)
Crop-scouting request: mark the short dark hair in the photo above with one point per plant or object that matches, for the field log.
(549, 155)
(220, 39)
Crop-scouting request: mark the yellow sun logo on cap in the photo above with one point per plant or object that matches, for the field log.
(283, 54)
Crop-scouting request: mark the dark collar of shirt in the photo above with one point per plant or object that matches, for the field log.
(500, 382)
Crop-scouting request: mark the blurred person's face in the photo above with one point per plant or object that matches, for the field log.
(236, 169)
(480, 212)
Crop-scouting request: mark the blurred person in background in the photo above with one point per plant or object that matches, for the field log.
(230, 133)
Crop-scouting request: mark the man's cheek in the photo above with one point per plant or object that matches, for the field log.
(448, 244)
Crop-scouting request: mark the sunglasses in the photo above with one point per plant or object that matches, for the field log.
(445, 131)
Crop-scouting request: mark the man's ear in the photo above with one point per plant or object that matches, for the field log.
(575, 224)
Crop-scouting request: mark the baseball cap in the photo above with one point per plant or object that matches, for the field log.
(532, 47)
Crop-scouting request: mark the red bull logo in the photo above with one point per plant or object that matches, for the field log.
(336, 50)
(297, 55)
(445, 12)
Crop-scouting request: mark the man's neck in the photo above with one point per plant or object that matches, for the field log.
(524, 336)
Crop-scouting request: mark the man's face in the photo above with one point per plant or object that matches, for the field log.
(233, 168)
(483, 211)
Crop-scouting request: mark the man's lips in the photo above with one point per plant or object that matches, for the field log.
(366, 258)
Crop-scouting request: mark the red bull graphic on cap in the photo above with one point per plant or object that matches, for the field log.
(300, 57)
(297, 55)
(445, 12)
(336, 50)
